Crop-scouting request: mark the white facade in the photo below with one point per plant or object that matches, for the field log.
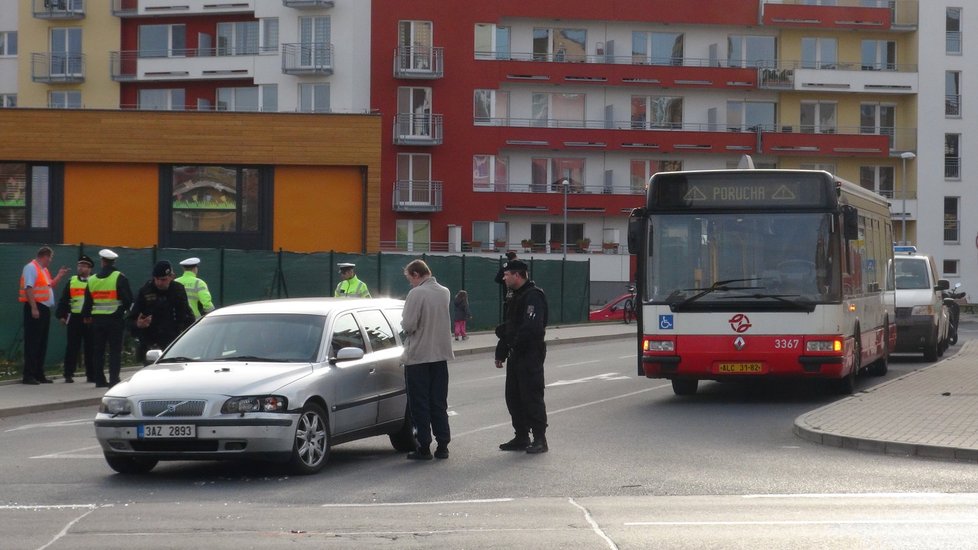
(8, 59)
(955, 248)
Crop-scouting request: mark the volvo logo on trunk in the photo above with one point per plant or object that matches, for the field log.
(739, 343)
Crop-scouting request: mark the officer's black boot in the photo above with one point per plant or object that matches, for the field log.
(518, 443)
(538, 446)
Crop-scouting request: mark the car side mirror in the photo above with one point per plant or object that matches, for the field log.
(942, 284)
(153, 356)
(347, 354)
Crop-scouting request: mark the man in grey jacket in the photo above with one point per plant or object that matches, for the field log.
(426, 322)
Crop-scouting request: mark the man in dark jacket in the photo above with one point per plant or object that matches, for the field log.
(521, 347)
(80, 339)
(161, 310)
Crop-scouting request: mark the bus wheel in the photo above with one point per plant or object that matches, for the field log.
(847, 385)
(881, 365)
(684, 386)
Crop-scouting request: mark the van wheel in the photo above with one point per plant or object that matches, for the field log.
(684, 386)
(933, 351)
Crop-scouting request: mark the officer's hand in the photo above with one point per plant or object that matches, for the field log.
(144, 320)
(62, 270)
(35, 313)
(64, 320)
(499, 364)
(88, 320)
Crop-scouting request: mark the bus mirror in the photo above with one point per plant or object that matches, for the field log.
(850, 222)
(636, 223)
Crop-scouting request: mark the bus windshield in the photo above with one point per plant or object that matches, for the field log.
(743, 260)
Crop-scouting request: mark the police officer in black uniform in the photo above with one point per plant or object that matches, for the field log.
(69, 311)
(161, 310)
(521, 347)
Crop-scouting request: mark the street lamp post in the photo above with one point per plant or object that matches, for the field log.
(905, 156)
(565, 187)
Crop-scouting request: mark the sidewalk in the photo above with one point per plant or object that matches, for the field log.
(17, 399)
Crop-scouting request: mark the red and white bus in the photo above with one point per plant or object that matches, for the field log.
(748, 274)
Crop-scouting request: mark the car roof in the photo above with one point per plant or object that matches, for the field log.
(308, 306)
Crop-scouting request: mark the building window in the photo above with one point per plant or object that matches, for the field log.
(413, 235)
(250, 98)
(878, 119)
(554, 233)
(650, 112)
(8, 100)
(489, 232)
(878, 55)
(952, 40)
(414, 179)
(314, 98)
(819, 53)
(878, 179)
(952, 156)
(414, 39)
(642, 170)
(269, 35)
(172, 99)
(551, 44)
(239, 38)
(216, 206)
(66, 52)
(491, 108)
(314, 37)
(548, 175)
(8, 44)
(557, 110)
(950, 268)
(30, 207)
(490, 173)
(951, 218)
(818, 117)
(952, 94)
(750, 116)
(752, 51)
(492, 41)
(657, 48)
(164, 41)
(66, 99)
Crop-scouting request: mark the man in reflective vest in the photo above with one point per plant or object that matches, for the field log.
(197, 292)
(107, 300)
(350, 286)
(37, 295)
(79, 337)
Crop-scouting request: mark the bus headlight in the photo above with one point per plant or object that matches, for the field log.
(659, 345)
(834, 345)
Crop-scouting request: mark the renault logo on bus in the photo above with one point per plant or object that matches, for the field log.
(739, 323)
(739, 343)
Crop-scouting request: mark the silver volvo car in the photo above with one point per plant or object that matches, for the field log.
(277, 380)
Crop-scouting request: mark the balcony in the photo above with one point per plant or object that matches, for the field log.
(417, 196)
(58, 9)
(423, 129)
(623, 187)
(419, 62)
(166, 8)
(308, 4)
(307, 58)
(885, 15)
(839, 77)
(192, 64)
(58, 68)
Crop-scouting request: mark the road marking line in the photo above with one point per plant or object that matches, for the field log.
(64, 531)
(594, 525)
(62, 454)
(904, 521)
(48, 507)
(863, 495)
(386, 504)
(605, 376)
(52, 424)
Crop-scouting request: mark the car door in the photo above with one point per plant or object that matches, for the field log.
(354, 403)
(386, 377)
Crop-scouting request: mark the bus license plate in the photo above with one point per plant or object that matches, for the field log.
(740, 368)
(166, 431)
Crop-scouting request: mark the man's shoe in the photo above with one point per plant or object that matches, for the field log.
(420, 454)
(515, 444)
(69, 380)
(441, 452)
(101, 384)
(538, 446)
(30, 382)
(46, 381)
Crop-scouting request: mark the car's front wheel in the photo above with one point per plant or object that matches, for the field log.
(311, 446)
(130, 464)
(403, 439)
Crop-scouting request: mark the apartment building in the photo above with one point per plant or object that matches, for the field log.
(535, 125)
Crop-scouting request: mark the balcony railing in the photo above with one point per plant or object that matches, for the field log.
(417, 196)
(952, 168)
(307, 4)
(419, 62)
(307, 58)
(903, 13)
(58, 9)
(952, 42)
(952, 105)
(625, 188)
(423, 129)
(58, 67)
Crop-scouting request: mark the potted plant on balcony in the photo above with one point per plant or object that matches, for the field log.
(500, 244)
(527, 245)
(476, 246)
(555, 246)
(610, 248)
(583, 244)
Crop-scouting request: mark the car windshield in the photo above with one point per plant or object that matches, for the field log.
(911, 274)
(278, 337)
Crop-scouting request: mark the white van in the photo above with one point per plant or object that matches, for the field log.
(921, 321)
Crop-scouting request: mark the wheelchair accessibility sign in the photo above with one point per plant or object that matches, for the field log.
(665, 322)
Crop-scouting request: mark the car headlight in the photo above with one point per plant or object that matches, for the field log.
(115, 405)
(255, 403)
(923, 310)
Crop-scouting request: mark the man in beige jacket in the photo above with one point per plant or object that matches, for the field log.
(426, 322)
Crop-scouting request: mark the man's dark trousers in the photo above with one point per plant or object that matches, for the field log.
(427, 390)
(35, 341)
(80, 339)
(108, 331)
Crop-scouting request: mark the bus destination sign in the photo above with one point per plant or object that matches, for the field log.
(726, 190)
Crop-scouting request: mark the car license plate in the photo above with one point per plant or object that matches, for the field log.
(165, 431)
(740, 368)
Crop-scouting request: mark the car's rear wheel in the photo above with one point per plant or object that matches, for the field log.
(311, 445)
(403, 439)
(130, 464)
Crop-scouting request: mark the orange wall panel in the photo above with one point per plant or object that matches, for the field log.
(111, 204)
(318, 208)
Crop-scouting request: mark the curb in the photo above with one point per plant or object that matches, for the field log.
(554, 342)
